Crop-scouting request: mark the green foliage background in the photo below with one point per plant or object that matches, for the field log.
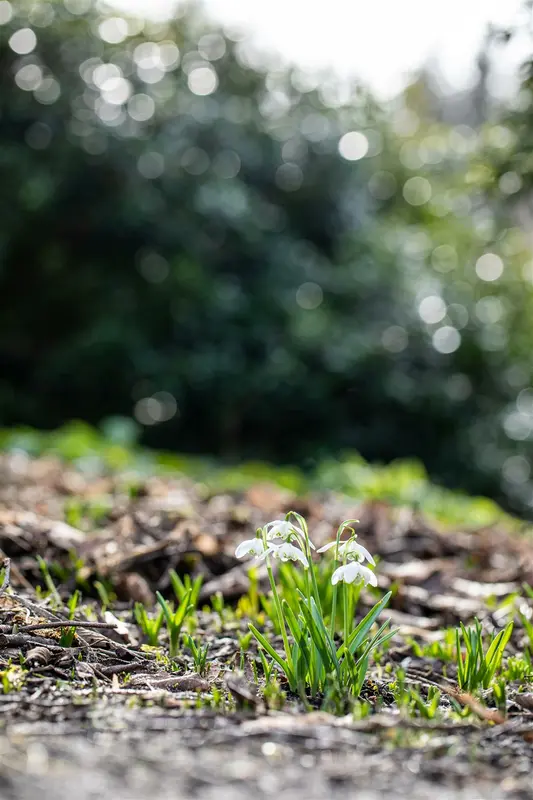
(223, 252)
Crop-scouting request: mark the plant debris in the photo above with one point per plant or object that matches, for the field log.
(74, 659)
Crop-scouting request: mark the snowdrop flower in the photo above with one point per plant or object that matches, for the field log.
(250, 547)
(282, 530)
(354, 571)
(287, 552)
(349, 549)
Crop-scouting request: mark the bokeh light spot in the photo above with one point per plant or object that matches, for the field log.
(394, 339)
(432, 309)
(78, 7)
(29, 77)
(153, 267)
(6, 12)
(444, 258)
(226, 165)
(105, 73)
(489, 310)
(289, 177)
(23, 41)
(417, 191)
(202, 81)
(113, 30)
(309, 295)
(353, 146)
(489, 267)
(48, 92)
(141, 107)
(517, 426)
(195, 161)
(212, 46)
(516, 469)
(524, 402)
(169, 55)
(117, 91)
(446, 340)
(160, 407)
(510, 183)
(151, 165)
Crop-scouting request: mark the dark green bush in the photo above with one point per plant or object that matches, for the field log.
(219, 270)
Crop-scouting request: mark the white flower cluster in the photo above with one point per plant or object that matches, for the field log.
(275, 540)
(287, 541)
(352, 570)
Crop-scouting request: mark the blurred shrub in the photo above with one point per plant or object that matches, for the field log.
(252, 262)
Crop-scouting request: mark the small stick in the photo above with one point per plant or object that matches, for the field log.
(67, 624)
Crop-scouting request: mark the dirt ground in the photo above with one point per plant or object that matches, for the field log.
(71, 725)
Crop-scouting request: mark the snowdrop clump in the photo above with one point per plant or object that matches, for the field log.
(278, 539)
(313, 661)
(287, 541)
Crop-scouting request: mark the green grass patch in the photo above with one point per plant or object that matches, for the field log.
(114, 449)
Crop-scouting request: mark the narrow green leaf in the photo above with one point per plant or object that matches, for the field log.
(317, 616)
(317, 638)
(360, 631)
(272, 653)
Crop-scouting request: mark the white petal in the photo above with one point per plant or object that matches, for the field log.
(327, 546)
(355, 547)
(352, 572)
(249, 547)
(278, 529)
(338, 575)
(368, 576)
(287, 552)
(298, 555)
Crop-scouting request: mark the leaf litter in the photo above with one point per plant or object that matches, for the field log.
(104, 691)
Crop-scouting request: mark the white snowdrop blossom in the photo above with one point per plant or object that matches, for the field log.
(349, 549)
(250, 547)
(283, 530)
(354, 572)
(287, 552)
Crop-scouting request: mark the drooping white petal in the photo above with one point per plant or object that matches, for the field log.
(279, 529)
(368, 576)
(354, 571)
(353, 548)
(349, 548)
(250, 547)
(338, 575)
(282, 530)
(327, 546)
(287, 552)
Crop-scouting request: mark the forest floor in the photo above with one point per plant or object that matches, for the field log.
(90, 710)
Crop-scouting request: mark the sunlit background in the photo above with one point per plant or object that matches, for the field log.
(273, 230)
(382, 43)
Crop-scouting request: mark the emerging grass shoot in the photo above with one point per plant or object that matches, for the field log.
(475, 667)
(175, 618)
(150, 626)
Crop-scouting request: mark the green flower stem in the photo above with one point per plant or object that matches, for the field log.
(281, 618)
(313, 580)
(309, 554)
(346, 619)
(335, 588)
(333, 607)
